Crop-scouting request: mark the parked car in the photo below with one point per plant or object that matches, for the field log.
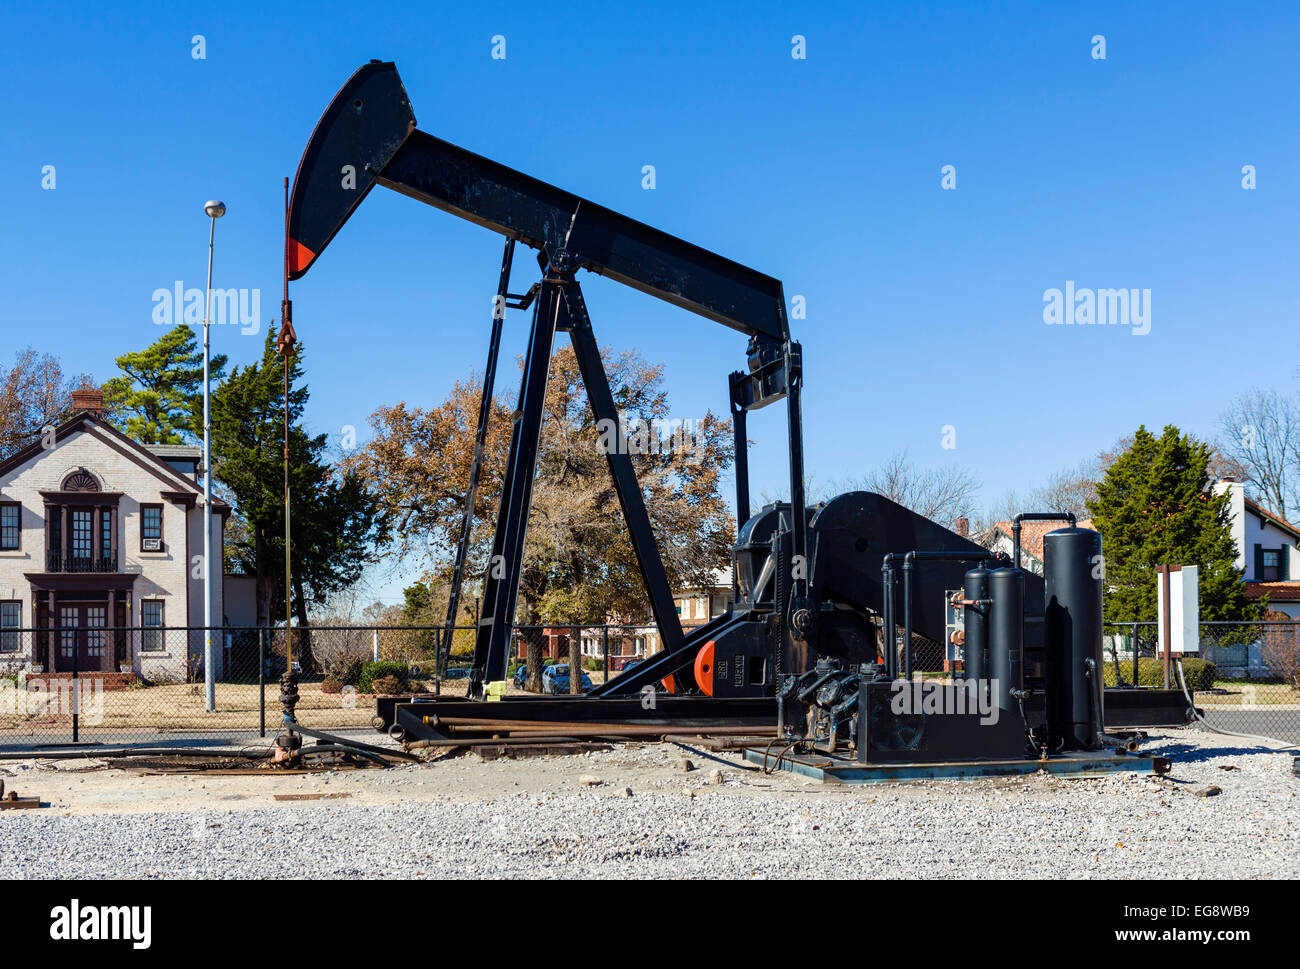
(456, 673)
(555, 679)
(521, 677)
(626, 664)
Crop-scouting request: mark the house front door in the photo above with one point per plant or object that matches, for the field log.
(83, 641)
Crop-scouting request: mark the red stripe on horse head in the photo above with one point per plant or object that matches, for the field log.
(300, 257)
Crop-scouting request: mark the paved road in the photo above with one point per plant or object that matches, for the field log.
(1278, 724)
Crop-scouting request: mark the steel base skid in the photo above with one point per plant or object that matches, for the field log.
(836, 769)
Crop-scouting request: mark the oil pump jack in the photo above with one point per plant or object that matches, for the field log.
(809, 641)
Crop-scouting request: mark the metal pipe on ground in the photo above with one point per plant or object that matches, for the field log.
(609, 732)
(97, 753)
(357, 745)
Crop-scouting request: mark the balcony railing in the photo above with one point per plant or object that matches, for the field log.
(57, 561)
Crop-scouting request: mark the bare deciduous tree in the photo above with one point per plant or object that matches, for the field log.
(1068, 490)
(941, 494)
(579, 563)
(33, 392)
(1263, 437)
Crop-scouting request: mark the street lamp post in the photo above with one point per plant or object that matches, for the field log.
(214, 210)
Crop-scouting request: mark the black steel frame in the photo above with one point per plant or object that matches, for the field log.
(369, 130)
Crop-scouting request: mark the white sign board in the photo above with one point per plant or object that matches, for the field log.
(1184, 611)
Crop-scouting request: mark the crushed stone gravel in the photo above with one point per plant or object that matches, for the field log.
(538, 819)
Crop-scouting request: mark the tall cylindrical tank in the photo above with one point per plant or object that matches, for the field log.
(976, 588)
(1072, 634)
(1006, 634)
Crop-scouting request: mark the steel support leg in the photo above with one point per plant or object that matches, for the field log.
(476, 467)
(504, 568)
(630, 498)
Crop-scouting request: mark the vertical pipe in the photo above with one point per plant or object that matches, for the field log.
(887, 649)
(907, 616)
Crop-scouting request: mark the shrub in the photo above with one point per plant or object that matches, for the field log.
(384, 668)
(331, 684)
(592, 664)
(387, 685)
(345, 669)
(1279, 647)
(1200, 673)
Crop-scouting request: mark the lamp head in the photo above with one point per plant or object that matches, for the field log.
(215, 209)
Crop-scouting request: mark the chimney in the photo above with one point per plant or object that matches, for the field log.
(88, 399)
(962, 527)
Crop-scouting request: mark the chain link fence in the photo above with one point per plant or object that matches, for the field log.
(1245, 679)
(105, 684)
(102, 684)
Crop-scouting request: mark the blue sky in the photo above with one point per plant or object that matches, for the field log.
(924, 306)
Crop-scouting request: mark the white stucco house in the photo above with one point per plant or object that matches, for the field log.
(101, 541)
(1268, 549)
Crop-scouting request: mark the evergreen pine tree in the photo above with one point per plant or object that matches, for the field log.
(159, 397)
(1155, 507)
(336, 524)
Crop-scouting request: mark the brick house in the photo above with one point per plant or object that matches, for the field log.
(96, 532)
(695, 607)
(999, 538)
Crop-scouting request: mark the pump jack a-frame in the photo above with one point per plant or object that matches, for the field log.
(368, 136)
(810, 644)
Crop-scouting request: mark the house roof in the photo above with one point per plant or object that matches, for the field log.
(720, 579)
(1272, 519)
(1032, 534)
(1274, 590)
(141, 454)
(176, 450)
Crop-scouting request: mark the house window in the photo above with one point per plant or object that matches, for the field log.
(151, 617)
(151, 528)
(11, 617)
(83, 539)
(11, 532)
(1271, 559)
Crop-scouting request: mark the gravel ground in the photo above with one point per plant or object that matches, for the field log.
(461, 818)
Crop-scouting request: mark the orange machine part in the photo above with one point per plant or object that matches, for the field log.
(704, 668)
(669, 683)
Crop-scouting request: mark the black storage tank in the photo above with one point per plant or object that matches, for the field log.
(976, 588)
(1072, 634)
(1006, 633)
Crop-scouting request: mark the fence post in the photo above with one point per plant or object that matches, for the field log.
(575, 661)
(374, 648)
(605, 649)
(261, 678)
(1136, 681)
(76, 686)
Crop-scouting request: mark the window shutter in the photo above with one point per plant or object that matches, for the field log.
(1284, 562)
(1259, 563)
